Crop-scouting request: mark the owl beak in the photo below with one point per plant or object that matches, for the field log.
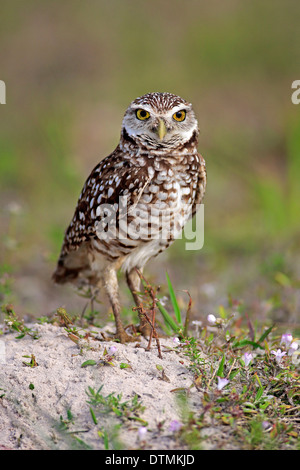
(161, 130)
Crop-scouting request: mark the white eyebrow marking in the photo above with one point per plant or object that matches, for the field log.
(146, 107)
(174, 110)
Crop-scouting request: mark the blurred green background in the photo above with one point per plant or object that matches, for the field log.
(71, 68)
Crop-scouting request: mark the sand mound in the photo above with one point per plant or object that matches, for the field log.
(44, 404)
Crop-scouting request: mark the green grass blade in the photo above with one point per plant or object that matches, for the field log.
(167, 318)
(174, 301)
(259, 394)
(220, 372)
(93, 416)
(265, 334)
(246, 342)
(106, 440)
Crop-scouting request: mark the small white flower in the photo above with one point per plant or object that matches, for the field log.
(247, 357)
(197, 322)
(164, 300)
(266, 426)
(293, 347)
(112, 350)
(175, 425)
(211, 319)
(176, 341)
(286, 339)
(142, 431)
(222, 383)
(278, 354)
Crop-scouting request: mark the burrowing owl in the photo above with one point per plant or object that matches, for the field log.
(137, 200)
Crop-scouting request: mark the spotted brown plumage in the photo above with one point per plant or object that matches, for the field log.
(137, 200)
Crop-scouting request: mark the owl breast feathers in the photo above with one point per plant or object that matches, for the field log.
(137, 200)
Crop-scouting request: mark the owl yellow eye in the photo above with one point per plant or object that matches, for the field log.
(179, 116)
(142, 114)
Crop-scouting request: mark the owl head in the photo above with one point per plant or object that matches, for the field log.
(160, 121)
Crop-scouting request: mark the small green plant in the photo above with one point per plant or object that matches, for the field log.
(6, 282)
(190, 348)
(32, 362)
(125, 410)
(66, 422)
(176, 325)
(43, 320)
(257, 434)
(188, 431)
(64, 318)
(13, 323)
(111, 437)
(248, 377)
(69, 435)
(122, 412)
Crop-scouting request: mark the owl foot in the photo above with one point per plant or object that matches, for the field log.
(144, 329)
(123, 337)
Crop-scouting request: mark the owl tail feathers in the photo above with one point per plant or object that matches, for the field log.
(62, 274)
(74, 267)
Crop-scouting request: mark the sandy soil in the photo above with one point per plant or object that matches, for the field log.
(37, 418)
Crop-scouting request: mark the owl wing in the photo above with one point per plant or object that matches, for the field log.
(112, 178)
(201, 185)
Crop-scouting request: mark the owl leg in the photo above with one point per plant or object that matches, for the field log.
(110, 283)
(134, 284)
